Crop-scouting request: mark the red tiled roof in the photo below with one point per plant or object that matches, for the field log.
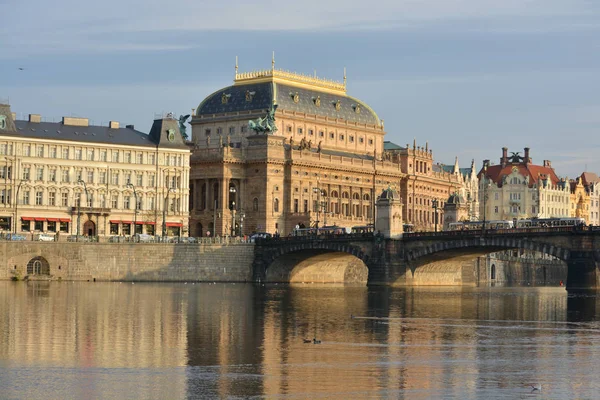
(589, 177)
(535, 172)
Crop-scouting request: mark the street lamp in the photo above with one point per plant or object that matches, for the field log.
(130, 185)
(484, 194)
(242, 215)
(164, 224)
(17, 205)
(233, 191)
(80, 182)
(318, 192)
(434, 204)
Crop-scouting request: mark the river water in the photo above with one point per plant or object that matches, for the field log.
(63, 340)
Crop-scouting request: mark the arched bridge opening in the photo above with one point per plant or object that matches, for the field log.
(318, 266)
(461, 262)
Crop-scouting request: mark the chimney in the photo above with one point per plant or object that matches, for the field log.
(504, 159)
(547, 163)
(35, 118)
(526, 159)
(129, 127)
(113, 124)
(75, 121)
(486, 163)
(14, 116)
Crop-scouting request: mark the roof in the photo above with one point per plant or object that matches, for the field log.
(387, 145)
(535, 173)
(260, 96)
(589, 177)
(90, 134)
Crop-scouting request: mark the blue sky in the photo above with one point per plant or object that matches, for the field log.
(468, 76)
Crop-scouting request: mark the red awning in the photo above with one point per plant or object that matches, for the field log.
(40, 219)
(139, 222)
(151, 223)
(174, 224)
(65, 220)
(126, 222)
(114, 221)
(27, 218)
(53, 219)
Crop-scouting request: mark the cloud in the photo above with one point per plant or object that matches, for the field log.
(74, 25)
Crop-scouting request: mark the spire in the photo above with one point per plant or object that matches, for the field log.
(344, 76)
(414, 143)
(426, 146)
(456, 168)
(273, 61)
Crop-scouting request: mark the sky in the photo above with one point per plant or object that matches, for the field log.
(467, 76)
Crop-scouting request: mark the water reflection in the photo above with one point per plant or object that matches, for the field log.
(111, 340)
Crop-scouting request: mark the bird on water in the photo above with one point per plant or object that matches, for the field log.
(315, 341)
(535, 387)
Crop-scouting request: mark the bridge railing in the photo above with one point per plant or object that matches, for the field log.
(500, 232)
(320, 236)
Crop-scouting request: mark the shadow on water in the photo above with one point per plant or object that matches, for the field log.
(582, 305)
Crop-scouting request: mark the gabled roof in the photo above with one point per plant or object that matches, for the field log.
(589, 177)
(535, 173)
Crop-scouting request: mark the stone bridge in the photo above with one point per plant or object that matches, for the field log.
(442, 258)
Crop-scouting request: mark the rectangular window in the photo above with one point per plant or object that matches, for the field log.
(115, 156)
(244, 129)
(78, 176)
(90, 177)
(305, 206)
(40, 151)
(151, 180)
(103, 155)
(64, 199)
(51, 226)
(5, 172)
(25, 225)
(126, 202)
(361, 140)
(295, 205)
(26, 195)
(231, 130)
(78, 154)
(128, 178)
(341, 137)
(3, 148)
(496, 196)
(65, 153)
(53, 152)
(52, 199)
(65, 176)
(114, 229)
(496, 210)
(140, 158)
(219, 131)
(39, 174)
(39, 225)
(39, 198)
(310, 132)
(26, 173)
(64, 227)
(151, 159)
(299, 131)
(139, 180)
(370, 142)
(114, 179)
(151, 203)
(52, 175)
(128, 157)
(102, 178)
(27, 150)
(90, 154)
(207, 132)
(351, 138)
(114, 201)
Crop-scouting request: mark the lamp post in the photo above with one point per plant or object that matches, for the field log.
(484, 194)
(434, 204)
(242, 215)
(164, 224)
(319, 205)
(17, 205)
(130, 185)
(233, 191)
(80, 182)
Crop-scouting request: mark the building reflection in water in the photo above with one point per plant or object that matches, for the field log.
(226, 340)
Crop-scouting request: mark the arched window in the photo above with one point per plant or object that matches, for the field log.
(38, 266)
(334, 194)
(345, 195)
(355, 196)
(276, 205)
(255, 204)
(366, 197)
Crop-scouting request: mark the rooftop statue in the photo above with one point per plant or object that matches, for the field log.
(515, 157)
(182, 127)
(266, 124)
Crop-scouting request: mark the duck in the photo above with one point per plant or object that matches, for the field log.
(307, 340)
(315, 341)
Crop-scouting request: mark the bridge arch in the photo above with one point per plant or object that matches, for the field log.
(315, 262)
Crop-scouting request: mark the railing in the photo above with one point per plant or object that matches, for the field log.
(500, 232)
(320, 237)
(28, 237)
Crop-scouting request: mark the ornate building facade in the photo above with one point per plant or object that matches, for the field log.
(73, 177)
(518, 189)
(311, 156)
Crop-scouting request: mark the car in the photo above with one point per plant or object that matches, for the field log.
(260, 235)
(144, 238)
(44, 237)
(16, 237)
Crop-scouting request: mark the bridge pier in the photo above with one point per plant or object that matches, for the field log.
(582, 270)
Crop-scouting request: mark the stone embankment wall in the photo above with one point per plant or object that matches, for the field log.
(219, 262)
(522, 271)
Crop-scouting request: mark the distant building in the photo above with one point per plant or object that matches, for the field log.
(72, 177)
(591, 183)
(468, 189)
(518, 189)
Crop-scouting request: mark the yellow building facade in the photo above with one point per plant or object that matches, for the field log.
(75, 178)
(323, 161)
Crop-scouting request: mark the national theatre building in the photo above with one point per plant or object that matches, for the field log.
(277, 150)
